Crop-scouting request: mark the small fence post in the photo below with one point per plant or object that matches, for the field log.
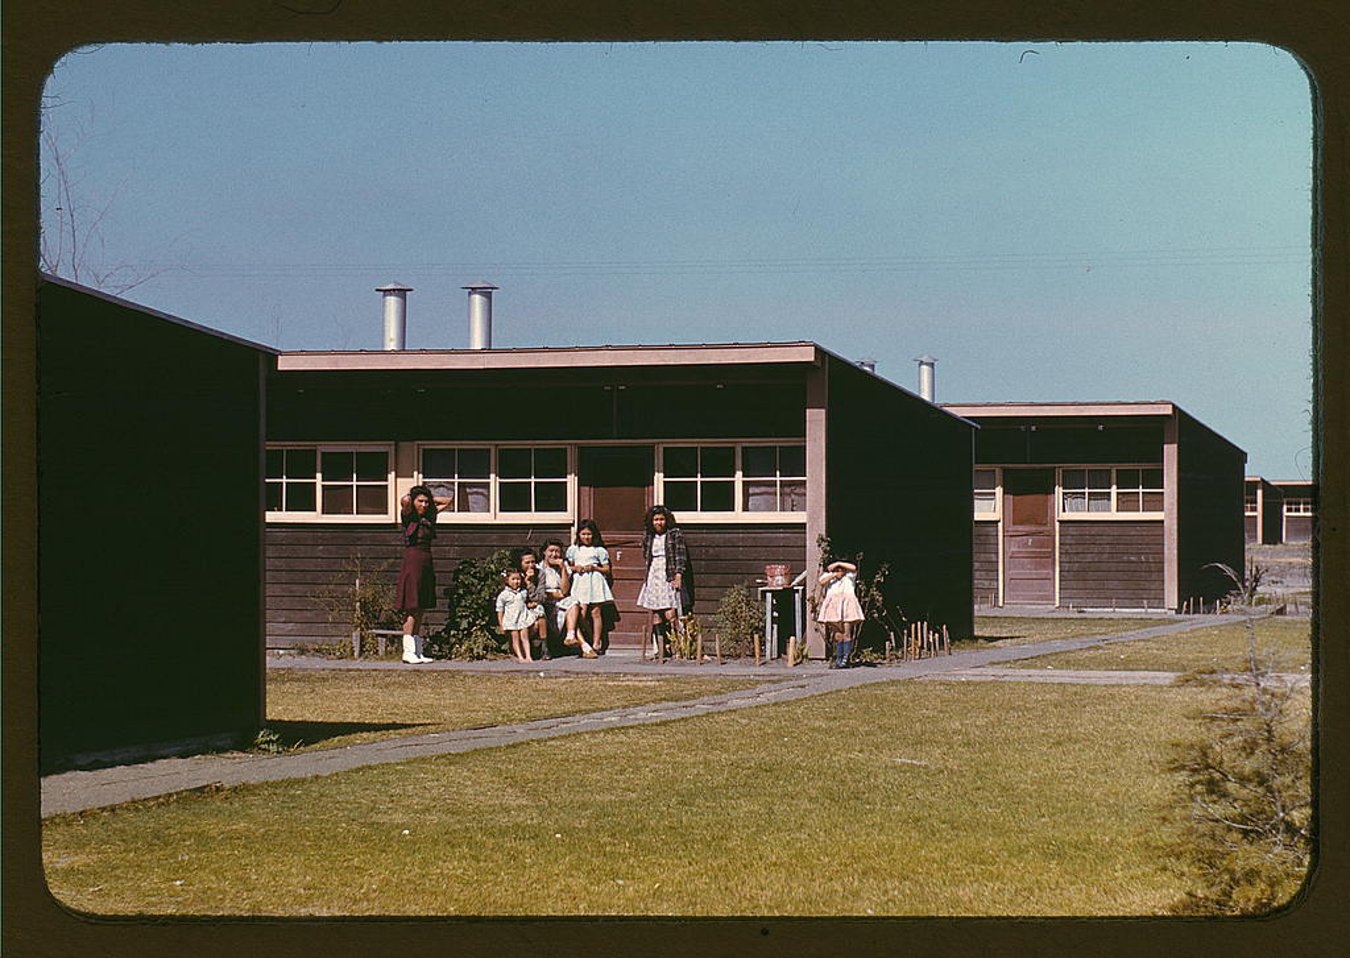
(356, 643)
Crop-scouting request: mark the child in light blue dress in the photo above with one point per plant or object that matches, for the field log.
(588, 561)
(514, 617)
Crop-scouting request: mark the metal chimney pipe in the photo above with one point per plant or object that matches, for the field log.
(926, 364)
(480, 315)
(869, 364)
(395, 314)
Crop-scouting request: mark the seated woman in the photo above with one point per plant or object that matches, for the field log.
(557, 581)
(536, 599)
(588, 561)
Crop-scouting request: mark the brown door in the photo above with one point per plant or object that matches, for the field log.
(614, 487)
(1029, 536)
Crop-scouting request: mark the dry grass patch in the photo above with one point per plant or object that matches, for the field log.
(889, 799)
(1217, 648)
(337, 707)
(998, 631)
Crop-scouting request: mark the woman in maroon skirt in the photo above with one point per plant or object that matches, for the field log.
(416, 577)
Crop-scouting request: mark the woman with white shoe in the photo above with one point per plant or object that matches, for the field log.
(416, 577)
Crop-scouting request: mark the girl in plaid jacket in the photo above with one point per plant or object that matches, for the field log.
(668, 590)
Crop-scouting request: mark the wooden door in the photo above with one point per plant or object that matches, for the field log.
(1028, 537)
(614, 487)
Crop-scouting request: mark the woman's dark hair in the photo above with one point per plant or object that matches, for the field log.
(420, 490)
(562, 546)
(661, 510)
(596, 538)
(519, 556)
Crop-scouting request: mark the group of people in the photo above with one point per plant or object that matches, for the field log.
(557, 592)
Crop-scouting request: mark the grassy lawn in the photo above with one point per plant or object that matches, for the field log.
(996, 631)
(336, 707)
(1211, 648)
(891, 799)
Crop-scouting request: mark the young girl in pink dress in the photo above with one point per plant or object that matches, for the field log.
(840, 611)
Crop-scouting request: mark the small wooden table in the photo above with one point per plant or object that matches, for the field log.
(770, 594)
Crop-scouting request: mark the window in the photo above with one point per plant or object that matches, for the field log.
(773, 479)
(528, 479)
(1298, 507)
(1139, 490)
(328, 481)
(1106, 491)
(734, 479)
(986, 492)
(1087, 490)
(464, 476)
(1249, 502)
(532, 480)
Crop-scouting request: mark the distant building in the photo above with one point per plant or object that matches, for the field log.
(1298, 509)
(150, 603)
(1263, 512)
(1102, 505)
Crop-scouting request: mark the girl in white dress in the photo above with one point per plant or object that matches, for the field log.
(840, 611)
(514, 617)
(588, 561)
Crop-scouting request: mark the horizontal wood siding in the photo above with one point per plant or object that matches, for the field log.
(986, 563)
(1106, 563)
(727, 556)
(303, 560)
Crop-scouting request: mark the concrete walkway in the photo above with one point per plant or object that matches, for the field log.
(79, 790)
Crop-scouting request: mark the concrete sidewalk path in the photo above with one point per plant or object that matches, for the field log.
(85, 789)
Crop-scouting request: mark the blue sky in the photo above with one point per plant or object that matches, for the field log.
(1054, 222)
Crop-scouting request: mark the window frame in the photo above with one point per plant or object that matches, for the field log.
(1298, 506)
(495, 513)
(1115, 513)
(738, 513)
(996, 514)
(318, 515)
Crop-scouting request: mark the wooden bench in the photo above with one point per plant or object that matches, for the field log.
(381, 636)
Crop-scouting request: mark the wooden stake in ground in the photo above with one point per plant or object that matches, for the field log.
(946, 642)
(717, 640)
(757, 637)
(792, 651)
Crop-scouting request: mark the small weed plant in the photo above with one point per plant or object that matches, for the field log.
(360, 597)
(737, 617)
(1247, 786)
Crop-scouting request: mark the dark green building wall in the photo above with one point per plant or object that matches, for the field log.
(150, 521)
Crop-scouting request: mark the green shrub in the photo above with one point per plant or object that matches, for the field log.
(736, 620)
(470, 630)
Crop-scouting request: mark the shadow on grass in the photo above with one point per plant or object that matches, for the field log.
(290, 734)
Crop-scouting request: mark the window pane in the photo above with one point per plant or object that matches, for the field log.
(1074, 479)
(473, 497)
(513, 496)
(717, 461)
(1075, 502)
(273, 497)
(792, 461)
(438, 464)
(338, 466)
(760, 496)
(792, 496)
(984, 502)
(514, 463)
(1127, 501)
(550, 463)
(299, 497)
(474, 464)
(337, 500)
(1127, 478)
(1099, 502)
(372, 466)
(276, 459)
(372, 500)
(300, 463)
(680, 461)
(1153, 502)
(718, 496)
(987, 479)
(681, 496)
(759, 460)
(1099, 478)
(1152, 478)
(444, 490)
(550, 497)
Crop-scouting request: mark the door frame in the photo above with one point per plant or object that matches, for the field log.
(1005, 521)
